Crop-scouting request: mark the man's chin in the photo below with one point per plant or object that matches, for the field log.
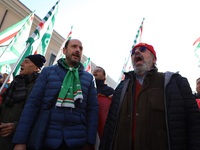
(75, 61)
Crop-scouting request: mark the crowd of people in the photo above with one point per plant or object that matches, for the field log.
(148, 110)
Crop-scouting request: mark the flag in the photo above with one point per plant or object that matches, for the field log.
(10, 53)
(12, 41)
(197, 50)
(87, 65)
(197, 41)
(8, 34)
(5, 68)
(60, 54)
(40, 38)
(127, 62)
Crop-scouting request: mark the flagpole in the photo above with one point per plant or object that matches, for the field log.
(14, 67)
(134, 43)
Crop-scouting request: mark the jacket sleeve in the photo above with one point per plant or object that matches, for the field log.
(92, 112)
(192, 115)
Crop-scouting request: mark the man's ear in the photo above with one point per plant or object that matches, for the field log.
(64, 50)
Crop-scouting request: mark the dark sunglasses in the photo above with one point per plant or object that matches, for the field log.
(141, 49)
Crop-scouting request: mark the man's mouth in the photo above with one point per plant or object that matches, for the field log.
(21, 69)
(138, 59)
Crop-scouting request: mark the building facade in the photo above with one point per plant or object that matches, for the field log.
(13, 11)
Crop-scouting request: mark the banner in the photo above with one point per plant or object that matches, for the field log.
(87, 65)
(40, 38)
(12, 41)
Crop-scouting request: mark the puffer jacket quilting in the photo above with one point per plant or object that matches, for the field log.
(85, 114)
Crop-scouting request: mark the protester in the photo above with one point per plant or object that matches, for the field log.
(197, 94)
(5, 75)
(74, 118)
(105, 93)
(1, 79)
(15, 96)
(3, 89)
(151, 110)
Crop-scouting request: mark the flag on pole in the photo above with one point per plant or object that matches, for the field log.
(11, 53)
(127, 62)
(87, 65)
(40, 38)
(197, 50)
(196, 41)
(12, 41)
(60, 52)
(8, 34)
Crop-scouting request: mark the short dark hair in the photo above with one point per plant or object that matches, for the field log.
(197, 79)
(104, 72)
(67, 43)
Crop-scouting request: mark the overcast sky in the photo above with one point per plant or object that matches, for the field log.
(107, 29)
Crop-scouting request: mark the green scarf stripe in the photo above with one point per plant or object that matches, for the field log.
(71, 88)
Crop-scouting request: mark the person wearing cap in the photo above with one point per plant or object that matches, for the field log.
(74, 115)
(15, 96)
(197, 93)
(151, 110)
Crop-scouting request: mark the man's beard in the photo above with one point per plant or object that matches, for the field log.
(141, 69)
(146, 66)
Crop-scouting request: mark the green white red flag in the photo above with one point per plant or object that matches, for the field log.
(16, 39)
(128, 64)
(40, 38)
(87, 65)
(12, 41)
(60, 52)
(197, 50)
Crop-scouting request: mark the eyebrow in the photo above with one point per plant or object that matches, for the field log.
(76, 45)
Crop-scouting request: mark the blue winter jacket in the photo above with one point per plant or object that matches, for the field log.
(76, 126)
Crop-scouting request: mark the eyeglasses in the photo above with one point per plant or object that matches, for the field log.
(141, 49)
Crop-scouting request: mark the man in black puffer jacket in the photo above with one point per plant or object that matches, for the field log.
(151, 110)
(14, 98)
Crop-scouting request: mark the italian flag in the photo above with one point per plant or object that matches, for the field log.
(8, 34)
(13, 40)
(39, 40)
(60, 53)
(197, 50)
(87, 65)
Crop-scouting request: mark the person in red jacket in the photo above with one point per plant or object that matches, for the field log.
(105, 93)
(197, 94)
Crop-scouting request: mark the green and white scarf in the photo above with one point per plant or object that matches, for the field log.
(71, 88)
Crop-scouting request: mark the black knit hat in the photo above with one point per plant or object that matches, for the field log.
(37, 59)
